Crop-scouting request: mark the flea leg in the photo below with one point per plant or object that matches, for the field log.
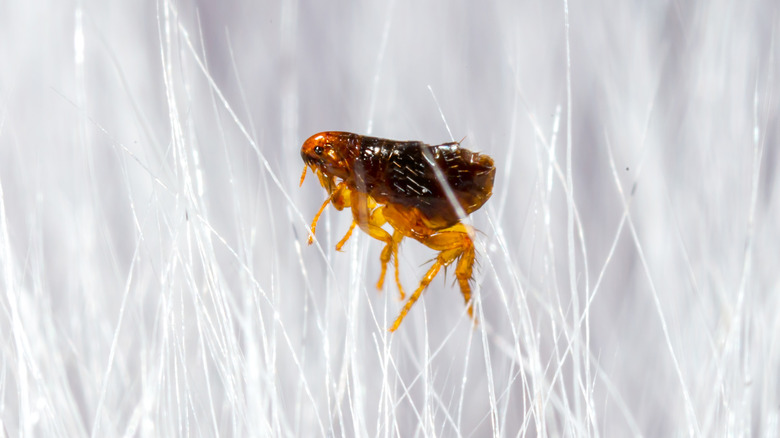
(346, 236)
(387, 251)
(317, 218)
(371, 223)
(452, 244)
(426, 280)
(340, 199)
(464, 272)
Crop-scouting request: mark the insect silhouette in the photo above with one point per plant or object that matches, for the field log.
(411, 186)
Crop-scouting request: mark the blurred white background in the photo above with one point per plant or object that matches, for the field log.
(155, 276)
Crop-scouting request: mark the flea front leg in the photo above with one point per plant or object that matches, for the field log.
(340, 198)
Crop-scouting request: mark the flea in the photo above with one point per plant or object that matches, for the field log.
(399, 183)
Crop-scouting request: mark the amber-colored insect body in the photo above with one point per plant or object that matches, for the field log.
(400, 183)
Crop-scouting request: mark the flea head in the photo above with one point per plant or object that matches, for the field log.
(327, 153)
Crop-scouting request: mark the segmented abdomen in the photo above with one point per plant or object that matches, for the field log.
(403, 173)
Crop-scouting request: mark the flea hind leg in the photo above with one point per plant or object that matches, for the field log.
(454, 244)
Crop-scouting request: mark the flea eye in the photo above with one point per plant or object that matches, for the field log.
(318, 150)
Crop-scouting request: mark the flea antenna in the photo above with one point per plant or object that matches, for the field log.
(303, 175)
